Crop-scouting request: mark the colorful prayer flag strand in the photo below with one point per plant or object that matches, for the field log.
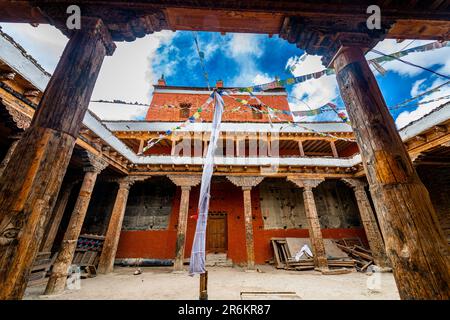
(316, 75)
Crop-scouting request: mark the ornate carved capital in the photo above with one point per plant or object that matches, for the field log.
(93, 163)
(356, 184)
(185, 180)
(121, 23)
(128, 181)
(22, 120)
(305, 183)
(319, 36)
(245, 182)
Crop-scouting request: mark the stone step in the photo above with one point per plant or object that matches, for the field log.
(218, 260)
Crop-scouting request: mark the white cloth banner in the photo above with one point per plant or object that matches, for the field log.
(303, 251)
(197, 262)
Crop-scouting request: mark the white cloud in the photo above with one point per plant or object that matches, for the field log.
(127, 75)
(416, 87)
(245, 49)
(424, 59)
(118, 111)
(408, 116)
(44, 43)
(241, 45)
(261, 78)
(313, 93)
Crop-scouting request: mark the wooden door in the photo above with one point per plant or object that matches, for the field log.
(216, 233)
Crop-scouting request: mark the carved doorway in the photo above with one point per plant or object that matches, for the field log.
(216, 233)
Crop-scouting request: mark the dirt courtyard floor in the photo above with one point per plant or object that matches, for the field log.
(227, 283)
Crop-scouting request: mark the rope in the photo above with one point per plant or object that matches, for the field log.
(410, 63)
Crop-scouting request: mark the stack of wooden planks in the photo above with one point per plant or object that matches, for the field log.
(286, 248)
(40, 268)
(87, 253)
(362, 256)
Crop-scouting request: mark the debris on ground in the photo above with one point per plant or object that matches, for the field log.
(295, 254)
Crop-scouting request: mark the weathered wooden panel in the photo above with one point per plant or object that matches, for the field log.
(282, 205)
(100, 208)
(149, 205)
(437, 181)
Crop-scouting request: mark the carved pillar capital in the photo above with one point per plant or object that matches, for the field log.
(307, 184)
(185, 180)
(93, 163)
(356, 184)
(324, 37)
(246, 183)
(128, 181)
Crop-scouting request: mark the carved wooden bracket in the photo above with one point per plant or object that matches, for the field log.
(305, 183)
(122, 23)
(354, 183)
(185, 180)
(128, 181)
(324, 37)
(93, 163)
(245, 182)
(21, 119)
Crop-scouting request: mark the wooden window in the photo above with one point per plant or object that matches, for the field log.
(185, 110)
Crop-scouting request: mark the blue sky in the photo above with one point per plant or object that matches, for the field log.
(238, 60)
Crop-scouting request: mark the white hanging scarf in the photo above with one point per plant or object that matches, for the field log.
(197, 262)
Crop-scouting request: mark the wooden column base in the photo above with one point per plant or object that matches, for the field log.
(421, 249)
(58, 278)
(33, 175)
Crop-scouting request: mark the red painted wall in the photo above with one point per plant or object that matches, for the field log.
(225, 198)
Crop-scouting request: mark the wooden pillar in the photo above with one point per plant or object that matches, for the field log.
(415, 243)
(40, 160)
(141, 146)
(369, 222)
(333, 149)
(300, 148)
(57, 281)
(12, 147)
(315, 234)
(249, 228)
(246, 183)
(238, 150)
(185, 182)
(55, 220)
(108, 255)
(205, 148)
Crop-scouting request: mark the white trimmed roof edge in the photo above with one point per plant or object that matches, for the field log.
(16, 58)
(226, 126)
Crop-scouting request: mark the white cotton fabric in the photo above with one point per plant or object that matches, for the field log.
(197, 261)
